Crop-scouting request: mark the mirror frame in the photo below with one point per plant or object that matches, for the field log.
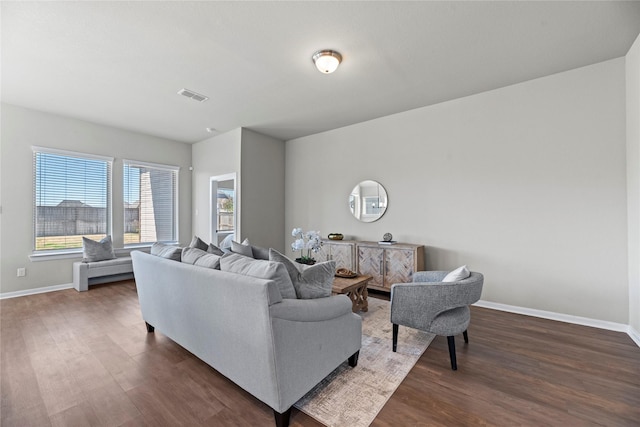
(363, 201)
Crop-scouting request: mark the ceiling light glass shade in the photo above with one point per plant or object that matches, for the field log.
(326, 61)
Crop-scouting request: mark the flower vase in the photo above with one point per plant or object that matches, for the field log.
(306, 261)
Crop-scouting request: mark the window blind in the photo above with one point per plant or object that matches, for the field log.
(72, 198)
(150, 202)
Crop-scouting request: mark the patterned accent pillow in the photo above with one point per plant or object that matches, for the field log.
(240, 264)
(93, 251)
(309, 281)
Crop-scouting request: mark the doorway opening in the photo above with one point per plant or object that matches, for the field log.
(223, 210)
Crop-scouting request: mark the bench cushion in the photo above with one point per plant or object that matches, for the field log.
(110, 262)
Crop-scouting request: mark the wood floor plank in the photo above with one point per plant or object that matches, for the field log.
(84, 358)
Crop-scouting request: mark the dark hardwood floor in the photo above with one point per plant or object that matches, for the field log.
(85, 359)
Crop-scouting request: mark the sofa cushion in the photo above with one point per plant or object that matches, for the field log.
(199, 257)
(197, 242)
(456, 275)
(276, 271)
(93, 251)
(309, 281)
(166, 251)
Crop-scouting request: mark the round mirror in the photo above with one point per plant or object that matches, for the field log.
(368, 201)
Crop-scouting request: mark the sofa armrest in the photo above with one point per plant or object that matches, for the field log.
(311, 310)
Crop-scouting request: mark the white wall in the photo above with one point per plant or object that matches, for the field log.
(23, 128)
(633, 181)
(525, 184)
(218, 155)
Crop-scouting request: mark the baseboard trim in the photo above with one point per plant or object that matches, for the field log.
(560, 317)
(6, 295)
(635, 336)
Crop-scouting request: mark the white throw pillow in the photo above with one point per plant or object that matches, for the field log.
(458, 274)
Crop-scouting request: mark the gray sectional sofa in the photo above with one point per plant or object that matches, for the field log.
(276, 349)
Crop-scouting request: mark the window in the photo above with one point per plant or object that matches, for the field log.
(72, 198)
(150, 203)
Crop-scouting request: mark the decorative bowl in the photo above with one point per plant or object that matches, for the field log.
(335, 236)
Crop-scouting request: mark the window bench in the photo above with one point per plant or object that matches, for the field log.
(92, 273)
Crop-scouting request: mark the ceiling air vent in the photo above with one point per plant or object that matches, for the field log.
(193, 95)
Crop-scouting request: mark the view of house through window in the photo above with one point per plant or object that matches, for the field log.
(150, 203)
(71, 198)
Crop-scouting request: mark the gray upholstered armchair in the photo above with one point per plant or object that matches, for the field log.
(431, 305)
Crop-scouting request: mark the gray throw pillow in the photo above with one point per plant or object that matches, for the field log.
(313, 281)
(201, 258)
(196, 242)
(240, 264)
(213, 249)
(243, 248)
(166, 251)
(259, 252)
(93, 251)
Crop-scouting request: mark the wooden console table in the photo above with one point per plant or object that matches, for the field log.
(355, 288)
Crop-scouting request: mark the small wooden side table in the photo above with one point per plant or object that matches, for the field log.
(355, 288)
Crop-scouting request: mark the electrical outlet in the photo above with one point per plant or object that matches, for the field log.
(22, 272)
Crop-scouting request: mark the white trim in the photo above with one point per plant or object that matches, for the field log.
(561, 317)
(135, 163)
(15, 294)
(49, 256)
(635, 335)
(77, 154)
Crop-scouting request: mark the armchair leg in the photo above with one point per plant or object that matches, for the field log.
(150, 328)
(452, 352)
(282, 419)
(466, 337)
(395, 337)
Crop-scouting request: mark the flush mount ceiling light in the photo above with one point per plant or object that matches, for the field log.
(326, 61)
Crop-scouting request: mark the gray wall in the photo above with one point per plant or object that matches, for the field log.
(218, 155)
(262, 189)
(258, 161)
(633, 182)
(23, 128)
(526, 184)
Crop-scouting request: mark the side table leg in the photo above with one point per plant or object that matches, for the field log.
(353, 296)
(365, 296)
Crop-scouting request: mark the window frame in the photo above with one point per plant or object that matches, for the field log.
(69, 252)
(176, 202)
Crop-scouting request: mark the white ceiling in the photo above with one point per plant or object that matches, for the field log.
(122, 63)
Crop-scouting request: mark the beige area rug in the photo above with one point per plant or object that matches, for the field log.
(353, 397)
